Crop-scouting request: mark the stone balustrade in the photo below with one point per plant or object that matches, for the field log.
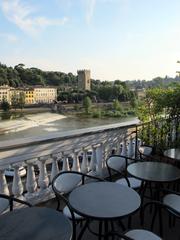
(83, 150)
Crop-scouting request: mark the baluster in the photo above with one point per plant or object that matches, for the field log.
(104, 157)
(130, 148)
(84, 165)
(17, 187)
(93, 160)
(65, 164)
(118, 147)
(110, 149)
(105, 151)
(76, 164)
(124, 148)
(55, 168)
(31, 184)
(43, 180)
(99, 156)
(3, 183)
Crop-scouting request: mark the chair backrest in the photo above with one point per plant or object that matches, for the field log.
(8, 201)
(116, 163)
(66, 181)
(145, 151)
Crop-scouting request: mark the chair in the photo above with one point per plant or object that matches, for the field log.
(118, 164)
(145, 152)
(136, 234)
(62, 185)
(170, 202)
(7, 201)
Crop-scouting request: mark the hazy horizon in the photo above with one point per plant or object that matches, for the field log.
(115, 39)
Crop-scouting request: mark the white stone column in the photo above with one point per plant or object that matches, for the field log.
(3, 183)
(93, 160)
(55, 168)
(119, 146)
(43, 180)
(76, 164)
(17, 187)
(84, 165)
(31, 184)
(124, 149)
(65, 164)
(99, 157)
(130, 148)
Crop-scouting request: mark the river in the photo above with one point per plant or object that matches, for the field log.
(45, 123)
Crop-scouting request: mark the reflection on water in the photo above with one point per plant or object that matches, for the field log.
(65, 124)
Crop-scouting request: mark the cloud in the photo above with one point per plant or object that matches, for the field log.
(90, 7)
(9, 37)
(21, 14)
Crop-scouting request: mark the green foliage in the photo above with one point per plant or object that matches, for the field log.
(76, 107)
(133, 102)
(97, 113)
(117, 105)
(15, 101)
(20, 76)
(87, 104)
(160, 102)
(5, 105)
(21, 100)
(159, 107)
(108, 91)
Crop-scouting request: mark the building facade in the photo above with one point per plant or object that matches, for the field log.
(5, 93)
(84, 79)
(45, 94)
(32, 95)
(16, 93)
(29, 96)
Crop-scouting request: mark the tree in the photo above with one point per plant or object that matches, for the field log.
(5, 105)
(117, 105)
(14, 101)
(21, 100)
(133, 101)
(87, 104)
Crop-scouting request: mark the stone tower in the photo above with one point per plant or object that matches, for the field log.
(84, 79)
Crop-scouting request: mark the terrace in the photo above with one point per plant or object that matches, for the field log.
(84, 151)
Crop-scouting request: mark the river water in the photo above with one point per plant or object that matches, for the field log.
(45, 123)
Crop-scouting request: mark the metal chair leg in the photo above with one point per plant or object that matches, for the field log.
(82, 230)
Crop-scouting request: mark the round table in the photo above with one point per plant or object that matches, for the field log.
(154, 171)
(34, 224)
(104, 200)
(173, 153)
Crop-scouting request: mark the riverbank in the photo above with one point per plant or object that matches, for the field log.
(28, 121)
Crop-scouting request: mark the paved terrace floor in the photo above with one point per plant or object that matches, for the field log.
(172, 233)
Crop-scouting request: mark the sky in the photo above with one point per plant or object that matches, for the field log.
(115, 39)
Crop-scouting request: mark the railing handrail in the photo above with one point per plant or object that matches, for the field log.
(23, 142)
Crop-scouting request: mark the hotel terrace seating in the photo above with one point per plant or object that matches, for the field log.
(62, 185)
(58, 150)
(117, 164)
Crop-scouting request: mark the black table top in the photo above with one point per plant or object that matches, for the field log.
(154, 171)
(173, 153)
(104, 200)
(35, 223)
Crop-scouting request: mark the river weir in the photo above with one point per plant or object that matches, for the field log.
(41, 124)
